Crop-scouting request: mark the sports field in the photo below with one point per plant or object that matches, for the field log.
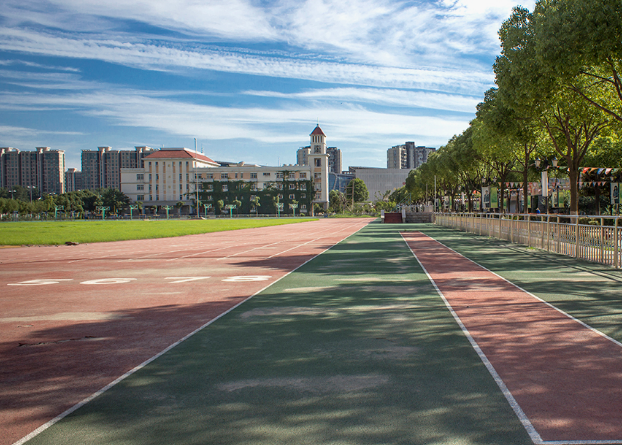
(397, 334)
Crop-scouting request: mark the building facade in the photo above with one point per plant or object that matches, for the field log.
(173, 175)
(408, 156)
(43, 169)
(335, 163)
(101, 168)
(381, 180)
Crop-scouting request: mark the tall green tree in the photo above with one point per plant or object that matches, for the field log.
(358, 187)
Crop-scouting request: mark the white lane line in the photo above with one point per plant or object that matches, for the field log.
(533, 434)
(61, 416)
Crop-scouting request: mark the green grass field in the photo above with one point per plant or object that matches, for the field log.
(60, 232)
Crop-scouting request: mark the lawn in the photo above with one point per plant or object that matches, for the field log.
(60, 232)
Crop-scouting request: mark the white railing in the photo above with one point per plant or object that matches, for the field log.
(592, 238)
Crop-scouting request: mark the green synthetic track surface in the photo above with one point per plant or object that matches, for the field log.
(355, 347)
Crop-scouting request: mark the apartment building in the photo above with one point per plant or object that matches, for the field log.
(335, 164)
(101, 168)
(408, 156)
(42, 169)
(73, 180)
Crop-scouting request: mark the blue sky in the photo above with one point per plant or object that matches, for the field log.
(248, 79)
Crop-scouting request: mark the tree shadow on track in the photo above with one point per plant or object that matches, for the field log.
(355, 347)
(49, 370)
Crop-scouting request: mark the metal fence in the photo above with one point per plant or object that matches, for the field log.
(592, 238)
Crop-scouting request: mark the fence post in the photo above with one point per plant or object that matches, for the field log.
(615, 240)
(602, 241)
(548, 233)
(576, 248)
(528, 230)
(559, 238)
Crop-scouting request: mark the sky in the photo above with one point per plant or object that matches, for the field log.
(249, 79)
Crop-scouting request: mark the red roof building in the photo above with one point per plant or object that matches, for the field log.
(317, 131)
(179, 153)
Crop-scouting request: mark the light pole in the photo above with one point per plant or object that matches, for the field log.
(279, 207)
(207, 207)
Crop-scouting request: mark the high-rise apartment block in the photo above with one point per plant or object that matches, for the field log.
(334, 158)
(73, 180)
(408, 155)
(101, 168)
(43, 169)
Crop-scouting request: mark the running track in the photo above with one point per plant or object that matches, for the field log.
(563, 379)
(75, 318)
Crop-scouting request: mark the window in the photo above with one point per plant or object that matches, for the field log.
(253, 175)
(210, 187)
(303, 186)
(150, 176)
(224, 176)
(140, 177)
(187, 186)
(157, 177)
(291, 196)
(303, 196)
(150, 197)
(303, 176)
(209, 197)
(253, 187)
(179, 186)
(292, 186)
(280, 196)
(317, 175)
(225, 188)
(303, 207)
(236, 176)
(156, 164)
(318, 162)
(157, 197)
(317, 149)
(140, 197)
(266, 174)
(279, 175)
(149, 166)
(150, 187)
(156, 187)
(140, 187)
(180, 177)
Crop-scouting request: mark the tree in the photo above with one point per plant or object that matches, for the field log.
(115, 199)
(178, 206)
(358, 187)
(581, 42)
(219, 205)
(337, 201)
(527, 83)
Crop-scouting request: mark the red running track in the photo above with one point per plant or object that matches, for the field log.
(75, 318)
(565, 377)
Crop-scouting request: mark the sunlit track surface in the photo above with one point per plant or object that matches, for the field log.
(561, 376)
(74, 318)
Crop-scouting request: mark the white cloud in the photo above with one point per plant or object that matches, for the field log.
(152, 56)
(388, 97)
(131, 108)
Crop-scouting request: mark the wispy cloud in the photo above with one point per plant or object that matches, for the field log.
(160, 57)
(389, 97)
(23, 131)
(352, 123)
